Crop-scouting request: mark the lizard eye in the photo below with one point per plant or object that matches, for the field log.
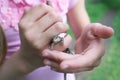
(57, 39)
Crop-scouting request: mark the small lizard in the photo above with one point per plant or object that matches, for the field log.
(60, 39)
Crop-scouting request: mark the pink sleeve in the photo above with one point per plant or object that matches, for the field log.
(72, 3)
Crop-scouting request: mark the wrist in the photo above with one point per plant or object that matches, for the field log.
(14, 68)
(28, 62)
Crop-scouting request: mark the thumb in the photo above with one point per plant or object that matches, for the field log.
(101, 31)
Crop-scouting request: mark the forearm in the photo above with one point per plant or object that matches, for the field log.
(14, 68)
(79, 24)
(78, 18)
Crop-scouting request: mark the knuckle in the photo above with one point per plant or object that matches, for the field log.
(21, 23)
(53, 16)
(98, 24)
(45, 7)
(95, 24)
(42, 5)
(59, 26)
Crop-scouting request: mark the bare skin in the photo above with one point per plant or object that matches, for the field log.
(87, 56)
(89, 47)
(32, 35)
(38, 32)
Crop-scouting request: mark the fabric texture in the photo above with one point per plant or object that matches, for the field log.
(12, 10)
(10, 13)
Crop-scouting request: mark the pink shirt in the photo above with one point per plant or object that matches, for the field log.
(10, 14)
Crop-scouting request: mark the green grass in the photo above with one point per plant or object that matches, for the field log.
(116, 24)
(110, 67)
(70, 32)
(95, 10)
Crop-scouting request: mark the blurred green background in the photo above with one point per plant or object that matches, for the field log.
(110, 64)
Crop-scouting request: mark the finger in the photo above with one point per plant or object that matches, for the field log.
(56, 29)
(35, 36)
(57, 56)
(62, 68)
(47, 21)
(71, 70)
(36, 12)
(76, 66)
(91, 33)
(96, 52)
(78, 69)
(87, 60)
(51, 63)
(56, 67)
(62, 46)
(101, 31)
(32, 15)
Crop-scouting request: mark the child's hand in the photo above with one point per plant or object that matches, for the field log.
(89, 49)
(93, 33)
(37, 27)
